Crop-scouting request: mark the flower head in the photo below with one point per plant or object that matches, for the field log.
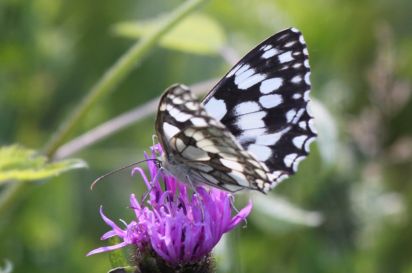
(179, 227)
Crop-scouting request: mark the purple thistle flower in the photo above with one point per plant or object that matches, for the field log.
(181, 228)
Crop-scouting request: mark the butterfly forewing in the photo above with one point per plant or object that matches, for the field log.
(263, 102)
(253, 128)
(199, 149)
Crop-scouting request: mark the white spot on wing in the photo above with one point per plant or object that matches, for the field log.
(277, 177)
(290, 115)
(270, 101)
(181, 117)
(306, 95)
(308, 142)
(250, 135)
(254, 132)
(211, 148)
(307, 78)
(309, 109)
(281, 178)
(285, 57)
(301, 40)
(266, 47)
(241, 76)
(298, 115)
(261, 173)
(260, 152)
(178, 115)
(170, 130)
(296, 163)
(198, 135)
(288, 160)
(299, 140)
(180, 146)
(194, 153)
(271, 139)
(232, 164)
(250, 81)
(177, 100)
(305, 51)
(270, 53)
(204, 143)
(312, 126)
(296, 79)
(251, 121)
(246, 107)
(291, 43)
(191, 105)
(216, 108)
(270, 85)
(242, 69)
(199, 122)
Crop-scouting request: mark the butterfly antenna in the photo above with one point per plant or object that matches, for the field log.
(121, 169)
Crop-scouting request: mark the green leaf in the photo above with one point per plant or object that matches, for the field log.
(19, 163)
(198, 33)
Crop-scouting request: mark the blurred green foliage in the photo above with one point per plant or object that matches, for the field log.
(22, 164)
(52, 52)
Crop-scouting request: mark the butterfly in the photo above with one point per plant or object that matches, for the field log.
(251, 130)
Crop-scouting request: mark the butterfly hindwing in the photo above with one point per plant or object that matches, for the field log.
(252, 129)
(199, 149)
(263, 102)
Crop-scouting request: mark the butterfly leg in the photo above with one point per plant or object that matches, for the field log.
(232, 204)
(153, 183)
(192, 186)
(155, 142)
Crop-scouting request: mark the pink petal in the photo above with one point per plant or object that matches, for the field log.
(110, 223)
(243, 213)
(107, 248)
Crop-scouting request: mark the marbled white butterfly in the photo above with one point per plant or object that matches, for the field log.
(252, 129)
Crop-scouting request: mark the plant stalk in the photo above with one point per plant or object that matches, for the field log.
(109, 80)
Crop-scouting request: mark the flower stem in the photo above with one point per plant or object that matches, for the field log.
(109, 80)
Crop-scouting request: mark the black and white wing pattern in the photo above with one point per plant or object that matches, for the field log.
(252, 130)
(263, 102)
(199, 149)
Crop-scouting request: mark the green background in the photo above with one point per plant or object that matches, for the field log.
(358, 176)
